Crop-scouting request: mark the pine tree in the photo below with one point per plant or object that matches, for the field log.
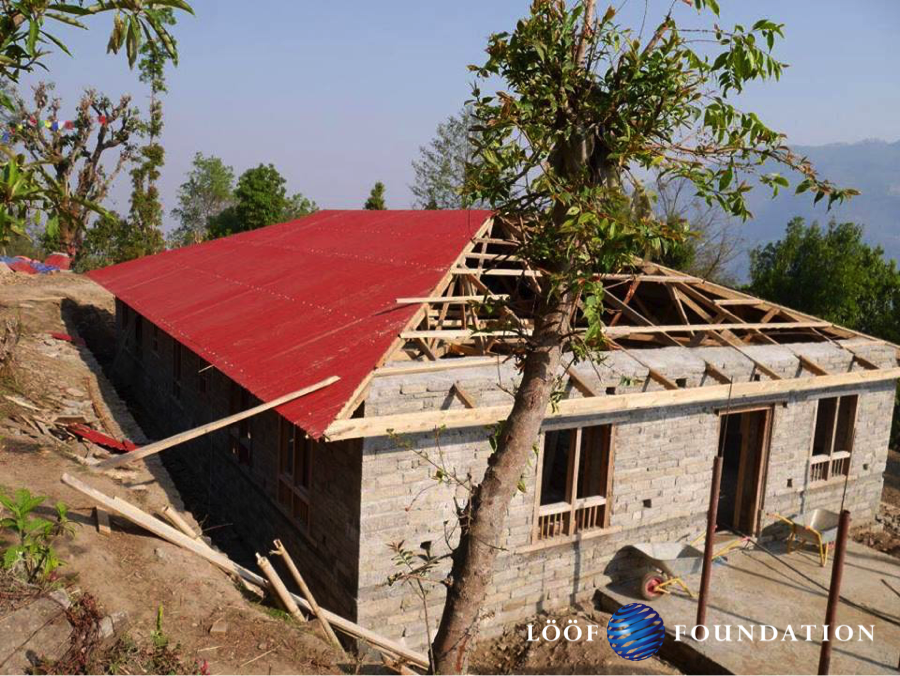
(376, 198)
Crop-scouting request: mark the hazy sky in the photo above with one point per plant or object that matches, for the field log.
(339, 95)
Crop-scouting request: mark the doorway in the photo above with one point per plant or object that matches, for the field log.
(743, 441)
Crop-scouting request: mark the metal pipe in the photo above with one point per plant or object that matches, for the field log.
(708, 545)
(834, 591)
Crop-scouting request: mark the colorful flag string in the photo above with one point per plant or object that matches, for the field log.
(52, 125)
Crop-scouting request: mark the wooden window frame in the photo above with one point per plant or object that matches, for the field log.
(575, 511)
(240, 434)
(301, 450)
(835, 466)
(177, 369)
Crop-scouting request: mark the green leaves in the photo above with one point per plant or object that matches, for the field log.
(27, 26)
(33, 552)
(557, 148)
(832, 273)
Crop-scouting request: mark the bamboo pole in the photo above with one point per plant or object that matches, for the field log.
(178, 521)
(181, 437)
(167, 532)
(307, 594)
(280, 590)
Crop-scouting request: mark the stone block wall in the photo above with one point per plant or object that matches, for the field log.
(662, 470)
(245, 496)
(368, 494)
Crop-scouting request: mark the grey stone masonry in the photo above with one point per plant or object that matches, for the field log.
(245, 495)
(661, 475)
(367, 495)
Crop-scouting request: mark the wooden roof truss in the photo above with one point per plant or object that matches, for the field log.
(645, 307)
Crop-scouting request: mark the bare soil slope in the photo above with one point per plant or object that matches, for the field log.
(129, 570)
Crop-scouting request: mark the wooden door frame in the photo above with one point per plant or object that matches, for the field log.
(761, 469)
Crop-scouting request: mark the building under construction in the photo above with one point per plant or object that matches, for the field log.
(397, 305)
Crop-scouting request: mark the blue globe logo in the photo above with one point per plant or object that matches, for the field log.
(635, 632)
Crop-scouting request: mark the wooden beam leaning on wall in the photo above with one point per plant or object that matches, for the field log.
(589, 406)
(167, 532)
(181, 437)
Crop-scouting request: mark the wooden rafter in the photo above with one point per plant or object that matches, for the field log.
(716, 373)
(651, 372)
(455, 322)
(590, 406)
(758, 364)
(581, 384)
(467, 399)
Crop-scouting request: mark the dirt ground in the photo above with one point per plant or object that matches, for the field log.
(129, 570)
(885, 536)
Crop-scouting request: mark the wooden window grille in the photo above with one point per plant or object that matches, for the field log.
(574, 482)
(833, 437)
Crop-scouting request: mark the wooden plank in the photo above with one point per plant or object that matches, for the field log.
(495, 256)
(426, 349)
(811, 366)
(738, 301)
(178, 521)
(771, 313)
(102, 519)
(581, 384)
(467, 399)
(573, 408)
(167, 532)
(496, 272)
(714, 371)
(182, 437)
(494, 240)
(865, 363)
(451, 299)
(652, 372)
(277, 585)
(676, 299)
(455, 334)
(440, 365)
(758, 364)
(618, 331)
(620, 276)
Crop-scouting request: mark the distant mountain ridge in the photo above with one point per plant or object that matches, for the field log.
(871, 166)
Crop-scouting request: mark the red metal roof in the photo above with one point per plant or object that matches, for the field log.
(285, 306)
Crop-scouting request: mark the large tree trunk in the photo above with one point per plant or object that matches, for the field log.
(485, 520)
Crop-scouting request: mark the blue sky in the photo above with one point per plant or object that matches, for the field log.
(339, 95)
